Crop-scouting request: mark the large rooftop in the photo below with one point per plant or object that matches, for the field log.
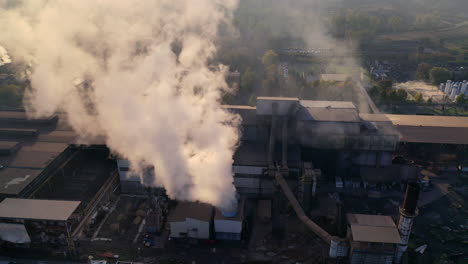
(425, 129)
(27, 148)
(33, 209)
(193, 210)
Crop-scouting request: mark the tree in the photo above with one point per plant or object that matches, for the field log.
(247, 80)
(11, 95)
(385, 84)
(439, 75)
(401, 94)
(269, 58)
(418, 98)
(422, 72)
(461, 99)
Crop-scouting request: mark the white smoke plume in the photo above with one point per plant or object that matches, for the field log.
(135, 72)
(4, 57)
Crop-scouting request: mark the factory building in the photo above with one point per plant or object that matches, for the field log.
(373, 239)
(191, 220)
(330, 134)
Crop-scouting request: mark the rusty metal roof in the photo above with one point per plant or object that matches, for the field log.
(194, 210)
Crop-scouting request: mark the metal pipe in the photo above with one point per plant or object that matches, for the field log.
(285, 143)
(300, 212)
(291, 111)
(271, 143)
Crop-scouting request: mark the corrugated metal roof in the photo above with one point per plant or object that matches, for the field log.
(332, 104)
(328, 114)
(12, 115)
(194, 210)
(375, 234)
(374, 117)
(339, 77)
(373, 228)
(13, 180)
(51, 210)
(277, 98)
(429, 121)
(370, 220)
(434, 135)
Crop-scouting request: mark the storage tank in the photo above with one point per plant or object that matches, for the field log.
(448, 86)
(464, 87)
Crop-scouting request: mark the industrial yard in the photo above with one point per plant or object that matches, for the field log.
(269, 131)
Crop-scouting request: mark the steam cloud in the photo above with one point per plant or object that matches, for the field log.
(136, 73)
(4, 58)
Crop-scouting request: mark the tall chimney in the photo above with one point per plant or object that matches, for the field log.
(408, 212)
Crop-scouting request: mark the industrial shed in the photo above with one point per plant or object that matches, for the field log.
(41, 222)
(373, 238)
(229, 227)
(191, 220)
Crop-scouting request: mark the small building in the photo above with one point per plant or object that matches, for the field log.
(373, 239)
(191, 220)
(229, 226)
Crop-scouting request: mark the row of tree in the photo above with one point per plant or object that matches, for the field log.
(359, 25)
(383, 91)
(437, 75)
(11, 95)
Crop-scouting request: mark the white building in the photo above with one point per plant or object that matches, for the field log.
(191, 220)
(229, 226)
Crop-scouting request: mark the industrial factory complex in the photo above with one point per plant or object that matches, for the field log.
(295, 157)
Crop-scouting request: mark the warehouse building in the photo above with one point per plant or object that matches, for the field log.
(191, 220)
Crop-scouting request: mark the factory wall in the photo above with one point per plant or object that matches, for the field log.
(315, 127)
(363, 257)
(192, 227)
(228, 226)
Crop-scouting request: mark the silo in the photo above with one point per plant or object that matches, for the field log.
(448, 87)
(464, 87)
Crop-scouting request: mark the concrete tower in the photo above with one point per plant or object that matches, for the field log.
(408, 212)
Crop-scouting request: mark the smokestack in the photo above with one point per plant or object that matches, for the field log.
(408, 212)
(411, 198)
